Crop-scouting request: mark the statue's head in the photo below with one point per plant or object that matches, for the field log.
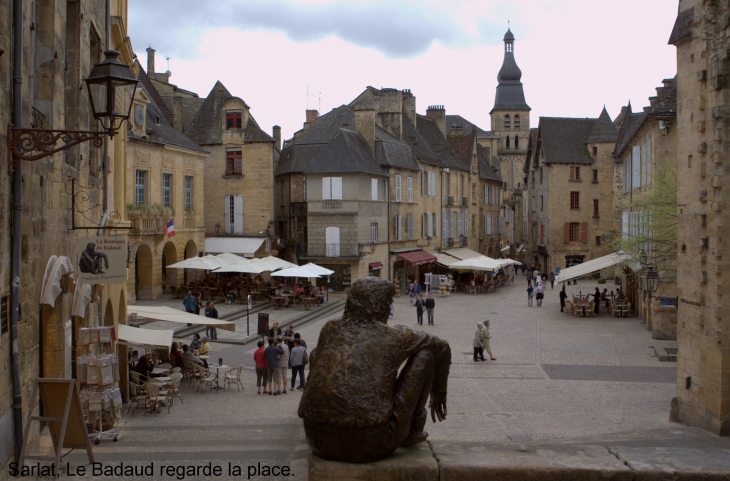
(90, 247)
(369, 300)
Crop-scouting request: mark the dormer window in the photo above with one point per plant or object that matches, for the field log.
(517, 121)
(506, 122)
(233, 119)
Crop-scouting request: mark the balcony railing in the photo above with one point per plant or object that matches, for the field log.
(148, 224)
(323, 250)
(449, 200)
(449, 242)
(464, 201)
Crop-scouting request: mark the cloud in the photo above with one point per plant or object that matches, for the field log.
(401, 29)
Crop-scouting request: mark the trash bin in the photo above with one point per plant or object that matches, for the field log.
(263, 324)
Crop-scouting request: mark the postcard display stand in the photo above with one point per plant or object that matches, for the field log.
(97, 371)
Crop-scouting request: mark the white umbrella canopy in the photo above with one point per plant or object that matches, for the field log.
(299, 271)
(271, 263)
(208, 263)
(481, 263)
(243, 268)
(322, 271)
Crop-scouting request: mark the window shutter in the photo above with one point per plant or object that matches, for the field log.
(411, 232)
(635, 167)
(238, 214)
(584, 232)
(423, 183)
(409, 184)
(444, 224)
(430, 224)
(566, 232)
(326, 188)
(459, 225)
(336, 188)
(228, 223)
(466, 225)
(374, 189)
(397, 188)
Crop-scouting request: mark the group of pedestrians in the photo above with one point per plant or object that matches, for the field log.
(285, 350)
(193, 304)
(422, 304)
(481, 342)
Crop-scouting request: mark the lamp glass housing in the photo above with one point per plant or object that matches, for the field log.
(111, 85)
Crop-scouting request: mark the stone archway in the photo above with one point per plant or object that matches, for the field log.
(108, 314)
(169, 257)
(191, 250)
(143, 272)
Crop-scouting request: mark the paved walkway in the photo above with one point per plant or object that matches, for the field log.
(556, 378)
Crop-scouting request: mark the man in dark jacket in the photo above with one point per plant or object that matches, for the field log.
(430, 305)
(273, 373)
(212, 312)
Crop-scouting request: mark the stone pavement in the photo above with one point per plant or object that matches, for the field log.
(557, 380)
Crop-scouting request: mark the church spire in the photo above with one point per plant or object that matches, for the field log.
(510, 95)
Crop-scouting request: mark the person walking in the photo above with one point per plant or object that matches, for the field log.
(420, 304)
(260, 361)
(190, 304)
(271, 354)
(283, 363)
(563, 296)
(212, 312)
(596, 301)
(529, 277)
(551, 278)
(486, 336)
(530, 292)
(430, 305)
(539, 294)
(477, 344)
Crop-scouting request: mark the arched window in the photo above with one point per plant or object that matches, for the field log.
(506, 142)
(517, 121)
(517, 142)
(506, 121)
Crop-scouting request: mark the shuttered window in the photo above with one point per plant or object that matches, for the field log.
(234, 214)
(331, 188)
(410, 223)
(397, 188)
(374, 189)
(409, 183)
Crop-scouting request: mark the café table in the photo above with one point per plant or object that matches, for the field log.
(161, 379)
(217, 374)
(159, 370)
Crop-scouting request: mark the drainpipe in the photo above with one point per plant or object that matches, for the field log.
(105, 149)
(387, 201)
(17, 208)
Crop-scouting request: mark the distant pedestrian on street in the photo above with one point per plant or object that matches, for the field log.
(539, 294)
(430, 305)
(299, 358)
(418, 288)
(283, 363)
(552, 280)
(477, 344)
(530, 292)
(273, 373)
(596, 300)
(190, 304)
(299, 336)
(420, 305)
(211, 312)
(529, 277)
(486, 336)
(563, 297)
(260, 361)
(411, 292)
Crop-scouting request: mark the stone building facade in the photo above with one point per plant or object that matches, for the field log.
(61, 43)
(644, 173)
(700, 35)
(165, 184)
(570, 191)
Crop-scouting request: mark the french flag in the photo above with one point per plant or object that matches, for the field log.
(169, 228)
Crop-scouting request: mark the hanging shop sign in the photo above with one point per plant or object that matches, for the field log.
(101, 260)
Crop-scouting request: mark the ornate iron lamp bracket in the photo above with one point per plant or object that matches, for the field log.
(114, 217)
(35, 144)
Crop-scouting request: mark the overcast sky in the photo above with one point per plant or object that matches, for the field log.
(575, 55)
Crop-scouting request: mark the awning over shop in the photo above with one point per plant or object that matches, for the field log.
(520, 248)
(462, 254)
(505, 248)
(481, 263)
(594, 265)
(375, 266)
(417, 257)
(164, 313)
(53, 280)
(443, 259)
(245, 246)
(152, 338)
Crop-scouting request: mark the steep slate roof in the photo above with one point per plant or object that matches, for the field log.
(391, 152)
(463, 146)
(531, 150)
(346, 153)
(154, 94)
(682, 26)
(486, 170)
(630, 127)
(254, 133)
(326, 126)
(164, 132)
(458, 120)
(420, 147)
(564, 140)
(436, 141)
(603, 130)
(510, 95)
(206, 128)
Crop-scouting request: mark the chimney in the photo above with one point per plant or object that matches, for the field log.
(437, 113)
(150, 60)
(277, 137)
(409, 105)
(310, 116)
(457, 130)
(653, 101)
(365, 125)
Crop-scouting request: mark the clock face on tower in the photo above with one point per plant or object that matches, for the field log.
(138, 115)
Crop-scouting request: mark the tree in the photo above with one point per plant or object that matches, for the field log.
(649, 224)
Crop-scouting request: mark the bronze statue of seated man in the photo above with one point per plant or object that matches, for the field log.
(356, 407)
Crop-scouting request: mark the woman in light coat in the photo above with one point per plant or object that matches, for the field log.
(478, 348)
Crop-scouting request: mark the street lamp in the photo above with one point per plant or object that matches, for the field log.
(111, 86)
(650, 280)
(217, 228)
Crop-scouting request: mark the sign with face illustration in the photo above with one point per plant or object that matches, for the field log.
(101, 260)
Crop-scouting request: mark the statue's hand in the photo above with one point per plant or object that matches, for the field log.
(437, 403)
